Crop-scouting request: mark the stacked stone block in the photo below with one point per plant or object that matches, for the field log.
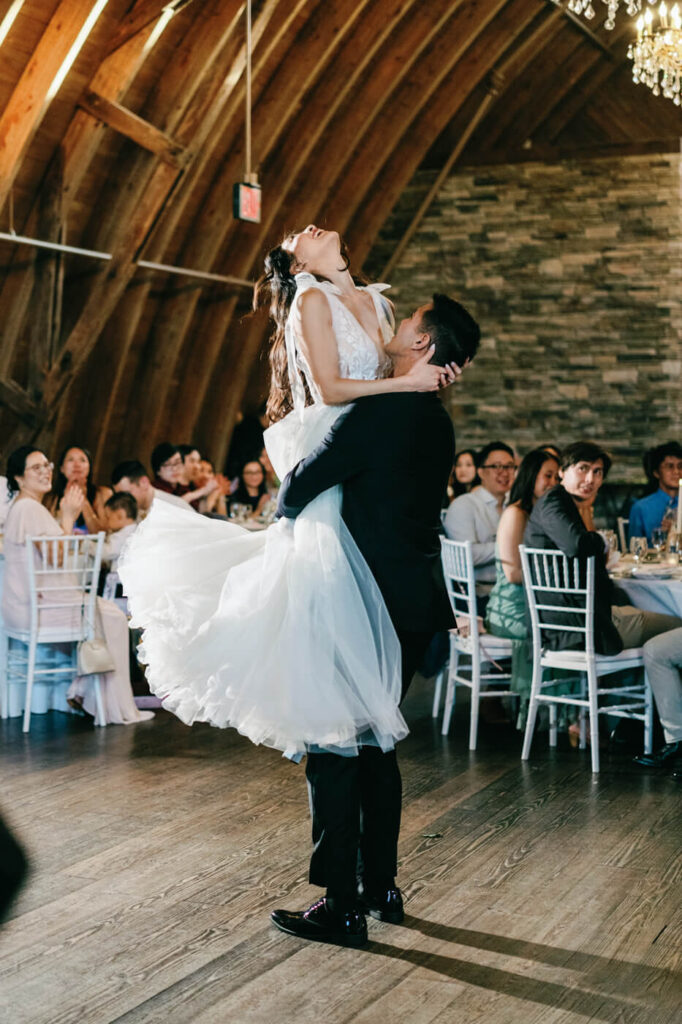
(574, 271)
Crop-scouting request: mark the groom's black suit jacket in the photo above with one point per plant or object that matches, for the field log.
(393, 454)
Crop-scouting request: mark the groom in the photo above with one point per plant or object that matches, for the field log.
(393, 453)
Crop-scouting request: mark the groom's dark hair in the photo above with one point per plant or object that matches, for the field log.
(452, 330)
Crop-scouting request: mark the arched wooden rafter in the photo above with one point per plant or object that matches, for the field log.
(349, 98)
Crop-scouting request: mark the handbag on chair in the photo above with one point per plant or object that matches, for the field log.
(94, 657)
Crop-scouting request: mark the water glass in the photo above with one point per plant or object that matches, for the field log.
(238, 512)
(658, 539)
(674, 545)
(638, 547)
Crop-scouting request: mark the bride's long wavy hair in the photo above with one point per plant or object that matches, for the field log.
(277, 286)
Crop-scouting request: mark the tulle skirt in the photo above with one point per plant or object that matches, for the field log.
(283, 634)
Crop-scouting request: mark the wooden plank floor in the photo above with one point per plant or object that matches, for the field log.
(535, 894)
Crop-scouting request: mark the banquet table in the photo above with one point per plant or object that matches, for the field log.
(652, 594)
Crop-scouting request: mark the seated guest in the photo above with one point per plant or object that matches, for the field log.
(167, 468)
(215, 502)
(75, 470)
(663, 662)
(29, 476)
(132, 477)
(476, 516)
(506, 611)
(251, 488)
(648, 514)
(188, 487)
(555, 522)
(191, 460)
(120, 513)
(464, 476)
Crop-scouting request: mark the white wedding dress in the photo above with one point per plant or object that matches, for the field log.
(282, 634)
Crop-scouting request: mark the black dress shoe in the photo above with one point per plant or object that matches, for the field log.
(386, 906)
(320, 924)
(662, 757)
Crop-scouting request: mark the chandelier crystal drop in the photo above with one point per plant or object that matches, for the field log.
(657, 53)
(585, 7)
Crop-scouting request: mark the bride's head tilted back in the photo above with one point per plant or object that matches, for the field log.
(314, 251)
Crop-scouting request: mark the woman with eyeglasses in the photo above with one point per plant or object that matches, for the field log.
(75, 473)
(29, 479)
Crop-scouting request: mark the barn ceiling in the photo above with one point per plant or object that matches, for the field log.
(122, 131)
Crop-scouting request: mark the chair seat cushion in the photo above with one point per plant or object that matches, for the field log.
(563, 659)
(497, 646)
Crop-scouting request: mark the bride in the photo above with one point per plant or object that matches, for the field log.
(283, 634)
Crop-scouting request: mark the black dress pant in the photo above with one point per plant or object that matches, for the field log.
(356, 804)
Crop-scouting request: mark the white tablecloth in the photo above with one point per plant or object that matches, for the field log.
(654, 595)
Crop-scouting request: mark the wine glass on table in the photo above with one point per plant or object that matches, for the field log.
(658, 539)
(638, 547)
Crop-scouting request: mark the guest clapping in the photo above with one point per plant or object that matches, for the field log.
(29, 477)
(75, 474)
(214, 503)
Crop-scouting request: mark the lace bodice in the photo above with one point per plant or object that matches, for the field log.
(359, 356)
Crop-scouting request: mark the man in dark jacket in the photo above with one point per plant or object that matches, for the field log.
(555, 522)
(393, 454)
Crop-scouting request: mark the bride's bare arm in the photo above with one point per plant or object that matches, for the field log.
(320, 349)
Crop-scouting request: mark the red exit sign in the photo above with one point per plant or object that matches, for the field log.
(246, 202)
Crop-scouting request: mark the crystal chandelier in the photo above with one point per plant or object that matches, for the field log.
(657, 54)
(585, 7)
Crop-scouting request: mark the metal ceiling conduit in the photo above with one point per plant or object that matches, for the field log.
(164, 268)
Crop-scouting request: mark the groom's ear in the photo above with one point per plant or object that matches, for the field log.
(422, 343)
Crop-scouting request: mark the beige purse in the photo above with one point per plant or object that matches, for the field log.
(94, 657)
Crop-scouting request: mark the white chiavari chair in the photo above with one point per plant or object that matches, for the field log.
(549, 578)
(63, 573)
(468, 642)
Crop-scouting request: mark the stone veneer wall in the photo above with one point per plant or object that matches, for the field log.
(574, 273)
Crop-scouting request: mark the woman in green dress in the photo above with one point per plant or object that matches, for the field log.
(506, 610)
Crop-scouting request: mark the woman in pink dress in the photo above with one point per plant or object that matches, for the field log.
(29, 479)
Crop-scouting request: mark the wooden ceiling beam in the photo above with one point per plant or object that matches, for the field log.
(486, 52)
(77, 150)
(137, 215)
(212, 45)
(59, 46)
(508, 119)
(144, 14)
(122, 120)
